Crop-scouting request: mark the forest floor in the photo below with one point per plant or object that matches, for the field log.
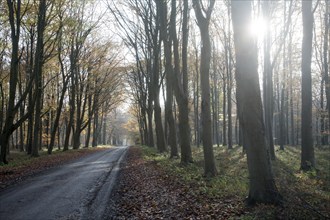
(22, 166)
(151, 186)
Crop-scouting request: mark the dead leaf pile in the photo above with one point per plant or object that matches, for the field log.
(145, 191)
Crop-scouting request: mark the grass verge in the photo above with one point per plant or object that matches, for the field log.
(307, 194)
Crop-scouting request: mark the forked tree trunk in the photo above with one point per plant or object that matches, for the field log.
(203, 23)
(10, 113)
(262, 186)
(38, 63)
(181, 81)
(62, 96)
(172, 139)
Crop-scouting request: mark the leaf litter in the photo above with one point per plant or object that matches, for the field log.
(145, 191)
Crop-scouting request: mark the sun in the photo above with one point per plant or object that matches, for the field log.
(258, 27)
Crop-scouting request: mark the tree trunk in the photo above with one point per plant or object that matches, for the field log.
(104, 130)
(292, 127)
(229, 89)
(10, 113)
(172, 140)
(196, 100)
(325, 134)
(95, 127)
(307, 148)
(72, 110)
(262, 186)
(203, 23)
(38, 76)
(161, 144)
(224, 111)
(88, 134)
(268, 83)
(150, 127)
(30, 96)
(60, 102)
(181, 81)
(215, 103)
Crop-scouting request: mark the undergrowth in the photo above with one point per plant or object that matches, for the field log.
(306, 194)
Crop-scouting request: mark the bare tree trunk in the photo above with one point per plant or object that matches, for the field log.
(292, 130)
(325, 134)
(150, 127)
(229, 91)
(203, 23)
(268, 83)
(30, 106)
(38, 76)
(21, 112)
(262, 186)
(63, 92)
(95, 123)
(58, 114)
(88, 134)
(224, 111)
(196, 102)
(215, 103)
(307, 148)
(282, 97)
(181, 81)
(10, 113)
(164, 35)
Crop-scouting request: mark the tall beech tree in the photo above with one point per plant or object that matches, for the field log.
(203, 20)
(38, 63)
(14, 13)
(167, 44)
(268, 80)
(41, 39)
(14, 102)
(325, 137)
(307, 148)
(262, 186)
(157, 78)
(181, 79)
(65, 79)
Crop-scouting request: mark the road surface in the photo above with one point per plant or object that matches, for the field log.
(78, 190)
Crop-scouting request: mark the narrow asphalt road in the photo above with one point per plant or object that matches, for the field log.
(78, 190)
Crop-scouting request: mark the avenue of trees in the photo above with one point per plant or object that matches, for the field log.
(249, 73)
(58, 79)
(199, 73)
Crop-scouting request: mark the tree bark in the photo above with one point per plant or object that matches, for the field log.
(325, 134)
(181, 81)
(229, 88)
(262, 186)
(161, 143)
(164, 35)
(268, 82)
(39, 59)
(224, 110)
(307, 148)
(63, 92)
(15, 24)
(203, 23)
(95, 122)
